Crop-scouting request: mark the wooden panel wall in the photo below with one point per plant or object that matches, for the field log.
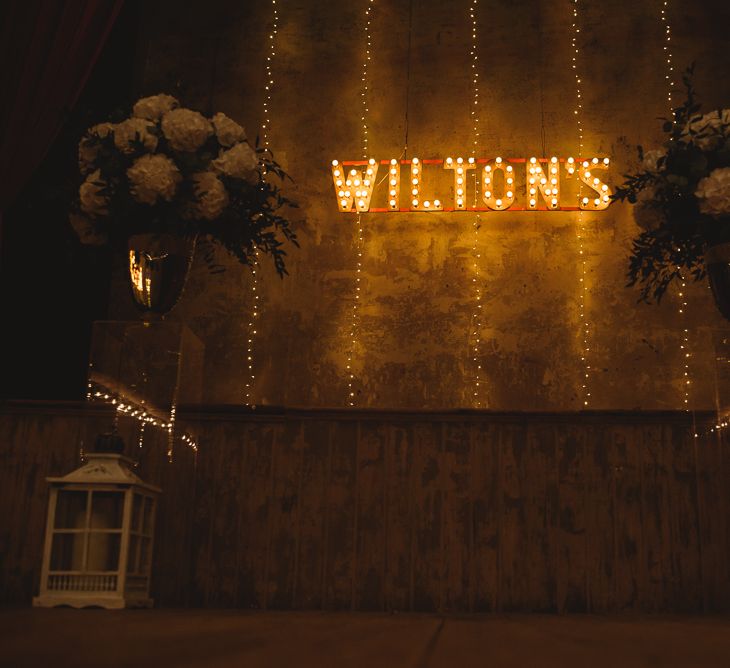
(444, 512)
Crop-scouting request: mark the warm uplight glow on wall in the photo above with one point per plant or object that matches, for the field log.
(581, 229)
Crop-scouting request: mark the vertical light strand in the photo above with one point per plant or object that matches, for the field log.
(359, 240)
(682, 307)
(476, 316)
(581, 231)
(265, 132)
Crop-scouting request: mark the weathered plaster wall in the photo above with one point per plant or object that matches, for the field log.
(417, 295)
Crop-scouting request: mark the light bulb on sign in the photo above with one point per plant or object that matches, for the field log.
(546, 181)
(460, 169)
(417, 183)
(491, 198)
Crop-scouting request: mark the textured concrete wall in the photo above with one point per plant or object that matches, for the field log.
(417, 295)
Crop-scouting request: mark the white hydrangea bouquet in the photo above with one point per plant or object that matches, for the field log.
(171, 170)
(681, 196)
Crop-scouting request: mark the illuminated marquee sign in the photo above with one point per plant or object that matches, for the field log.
(355, 182)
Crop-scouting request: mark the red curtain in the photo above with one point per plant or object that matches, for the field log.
(48, 49)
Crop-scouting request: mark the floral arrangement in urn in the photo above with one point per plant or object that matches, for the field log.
(682, 202)
(167, 170)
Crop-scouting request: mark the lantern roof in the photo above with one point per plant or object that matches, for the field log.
(104, 468)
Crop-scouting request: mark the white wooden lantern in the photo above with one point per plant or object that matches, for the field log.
(99, 535)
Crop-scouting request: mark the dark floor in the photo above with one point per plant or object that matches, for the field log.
(212, 639)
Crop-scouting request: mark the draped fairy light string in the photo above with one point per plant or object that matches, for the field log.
(265, 129)
(682, 308)
(582, 290)
(476, 316)
(359, 240)
(129, 408)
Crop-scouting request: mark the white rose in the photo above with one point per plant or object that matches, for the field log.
(154, 107)
(211, 195)
(89, 146)
(91, 196)
(227, 130)
(240, 162)
(132, 130)
(712, 126)
(713, 193)
(86, 231)
(153, 177)
(186, 130)
(651, 159)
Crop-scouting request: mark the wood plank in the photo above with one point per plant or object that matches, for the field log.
(312, 497)
(486, 498)
(713, 522)
(514, 536)
(599, 516)
(282, 557)
(686, 585)
(398, 518)
(340, 543)
(253, 523)
(202, 520)
(541, 513)
(629, 573)
(370, 534)
(427, 506)
(571, 558)
(457, 537)
(226, 441)
(656, 555)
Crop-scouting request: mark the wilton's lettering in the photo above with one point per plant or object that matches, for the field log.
(498, 189)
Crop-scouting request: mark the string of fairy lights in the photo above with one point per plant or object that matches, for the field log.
(476, 316)
(682, 295)
(359, 238)
(144, 417)
(581, 228)
(252, 327)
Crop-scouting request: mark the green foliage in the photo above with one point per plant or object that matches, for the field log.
(692, 149)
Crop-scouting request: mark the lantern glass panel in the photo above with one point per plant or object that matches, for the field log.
(70, 510)
(147, 524)
(144, 555)
(133, 558)
(67, 552)
(137, 513)
(103, 551)
(106, 510)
